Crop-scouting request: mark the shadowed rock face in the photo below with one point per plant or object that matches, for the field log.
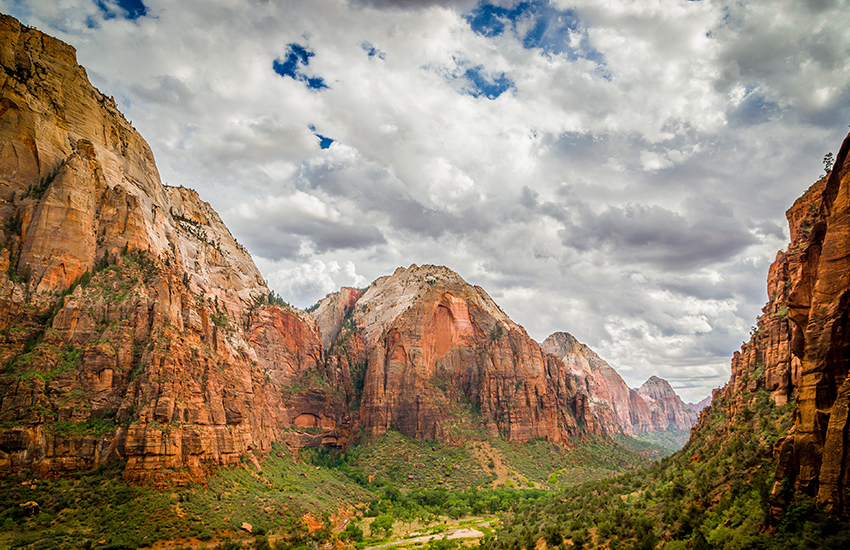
(436, 353)
(800, 349)
(617, 407)
(169, 355)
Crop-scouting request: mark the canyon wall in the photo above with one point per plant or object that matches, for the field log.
(799, 352)
(133, 324)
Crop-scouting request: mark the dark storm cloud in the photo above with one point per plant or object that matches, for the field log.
(708, 233)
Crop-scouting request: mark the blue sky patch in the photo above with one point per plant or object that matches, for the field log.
(324, 142)
(297, 56)
(130, 9)
(480, 84)
(537, 24)
(372, 51)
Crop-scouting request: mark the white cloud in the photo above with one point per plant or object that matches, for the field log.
(627, 187)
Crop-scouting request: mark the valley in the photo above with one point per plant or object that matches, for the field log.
(156, 393)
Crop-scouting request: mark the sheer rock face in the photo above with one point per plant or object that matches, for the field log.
(332, 312)
(171, 344)
(667, 408)
(800, 348)
(817, 454)
(617, 407)
(439, 351)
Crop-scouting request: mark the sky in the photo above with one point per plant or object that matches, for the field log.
(615, 169)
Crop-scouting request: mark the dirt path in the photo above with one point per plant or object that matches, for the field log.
(465, 533)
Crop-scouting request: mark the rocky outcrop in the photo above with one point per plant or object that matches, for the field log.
(816, 455)
(700, 405)
(617, 407)
(440, 356)
(162, 347)
(332, 311)
(800, 349)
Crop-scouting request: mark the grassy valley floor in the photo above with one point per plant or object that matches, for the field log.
(417, 488)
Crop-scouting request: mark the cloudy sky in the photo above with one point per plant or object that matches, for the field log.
(615, 169)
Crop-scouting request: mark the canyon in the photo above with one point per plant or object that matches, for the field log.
(135, 327)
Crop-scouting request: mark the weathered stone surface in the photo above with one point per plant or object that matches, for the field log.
(800, 348)
(332, 312)
(439, 352)
(666, 407)
(170, 355)
(821, 445)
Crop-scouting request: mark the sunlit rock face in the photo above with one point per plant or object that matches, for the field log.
(169, 355)
(437, 354)
(815, 455)
(800, 349)
(617, 407)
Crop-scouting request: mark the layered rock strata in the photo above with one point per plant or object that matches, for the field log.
(799, 351)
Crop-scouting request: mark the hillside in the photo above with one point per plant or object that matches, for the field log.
(765, 465)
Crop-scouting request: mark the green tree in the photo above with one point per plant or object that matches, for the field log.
(382, 523)
(352, 532)
(828, 161)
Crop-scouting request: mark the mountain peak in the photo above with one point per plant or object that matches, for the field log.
(656, 388)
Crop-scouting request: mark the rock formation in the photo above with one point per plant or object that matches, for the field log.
(617, 407)
(800, 349)
(436, 354)
(162, 347)
(135, 326)
(816, 455)
(700, 405)
(666, 407)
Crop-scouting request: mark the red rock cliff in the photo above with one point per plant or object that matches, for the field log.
(437, 354)
(617, 407)
(166, 351)
(800, 349)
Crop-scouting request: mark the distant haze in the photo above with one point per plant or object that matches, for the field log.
(619, 170)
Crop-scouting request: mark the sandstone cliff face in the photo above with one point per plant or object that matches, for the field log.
(617, 407)
(816, 455)
(439, 354)
(167, 352)
(332, 312)
(800, 349)
(666, 407)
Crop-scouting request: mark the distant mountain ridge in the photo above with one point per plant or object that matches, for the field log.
(617, 407)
